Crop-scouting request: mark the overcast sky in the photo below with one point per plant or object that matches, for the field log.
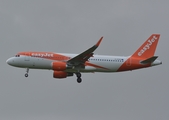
(73, 26)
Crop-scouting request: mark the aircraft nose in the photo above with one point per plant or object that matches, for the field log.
(10, 61)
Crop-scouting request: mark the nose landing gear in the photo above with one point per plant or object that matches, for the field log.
(27, 71)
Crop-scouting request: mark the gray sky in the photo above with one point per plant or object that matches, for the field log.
(72, 27)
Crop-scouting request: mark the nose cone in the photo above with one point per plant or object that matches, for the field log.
(10, 61)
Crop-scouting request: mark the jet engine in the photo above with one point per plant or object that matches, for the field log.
(61, 74)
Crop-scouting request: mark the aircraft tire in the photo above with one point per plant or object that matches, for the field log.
(79, 80)
(78, 74)
(26, 75)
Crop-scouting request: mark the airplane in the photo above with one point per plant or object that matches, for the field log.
(66, 65)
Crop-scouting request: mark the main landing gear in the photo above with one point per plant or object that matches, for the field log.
(27, 71)
(79, 79)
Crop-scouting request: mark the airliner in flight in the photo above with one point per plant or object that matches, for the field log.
(66, 65)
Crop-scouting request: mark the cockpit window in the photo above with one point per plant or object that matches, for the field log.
(17, 55)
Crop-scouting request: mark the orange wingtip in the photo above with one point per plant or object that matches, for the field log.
(98, 43)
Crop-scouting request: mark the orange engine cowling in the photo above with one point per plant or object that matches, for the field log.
(61, 74)
(59, 66)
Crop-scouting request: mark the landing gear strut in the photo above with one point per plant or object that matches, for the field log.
(79, 79)
(27, 71)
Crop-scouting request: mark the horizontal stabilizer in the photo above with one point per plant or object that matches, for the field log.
(149, 60)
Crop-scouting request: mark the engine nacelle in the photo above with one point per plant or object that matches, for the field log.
(59, 66)
(61, 74)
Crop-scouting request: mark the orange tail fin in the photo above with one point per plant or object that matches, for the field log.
(148, 48)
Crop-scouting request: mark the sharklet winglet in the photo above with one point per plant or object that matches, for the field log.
(98, 43)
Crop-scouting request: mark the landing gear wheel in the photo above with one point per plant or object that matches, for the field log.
(26, 75)
(79, 80)
(78, 74)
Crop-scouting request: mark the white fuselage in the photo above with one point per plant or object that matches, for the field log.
(97, 63)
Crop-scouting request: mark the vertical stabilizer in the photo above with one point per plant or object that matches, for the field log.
(148, 48)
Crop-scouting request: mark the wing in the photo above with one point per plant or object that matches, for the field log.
(79, 60)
